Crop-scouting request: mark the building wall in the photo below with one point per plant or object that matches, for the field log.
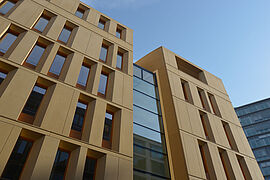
(255, 120)
(185, 132)
(51, 126)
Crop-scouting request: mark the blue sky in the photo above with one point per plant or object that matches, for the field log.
(229, 38)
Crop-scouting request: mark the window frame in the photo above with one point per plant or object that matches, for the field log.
(120, 31)
(88, 76)
(107, 48)
(122, 55)
(106, 143)
(95, 171)
(68, 28)
(55, 75)
(106, 74)
(81, 10)
(103, 22)
(1, 5)
(45, 17)
(9, 31)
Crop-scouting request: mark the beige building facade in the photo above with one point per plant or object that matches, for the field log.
(66, 101)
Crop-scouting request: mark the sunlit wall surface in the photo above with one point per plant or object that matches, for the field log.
(150, 154)
(255, 119)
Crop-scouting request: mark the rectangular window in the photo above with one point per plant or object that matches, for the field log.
(17, 159)
(7, 40)
(107, 133)
(103, 53)
(3, 75)
(83, 76)
(57, 65)
(78, 120)
(32, 104)
(244, 168)
(226, 164)
(119, 33)
(214, 104)
(186, 91)
(80, 12)
(42, 23)
(101, 24)
(103, 84)
(203, 155)
(229, 135)
(60, 164)
(6, 6)
(89, 169)
(65, 34)
(35, 55)
(203, 120)
(201, 95)
(119, 63)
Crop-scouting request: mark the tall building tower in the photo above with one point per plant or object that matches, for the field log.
(255, 120)
(203, 136)
(65, 93)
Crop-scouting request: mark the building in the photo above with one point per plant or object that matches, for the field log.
(68, 90)
(255, 120)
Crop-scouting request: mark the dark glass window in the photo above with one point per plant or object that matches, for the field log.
(60, 165)
(79, 13)
(119, 60)
(65, 34)
(35, 54)
(101, 24)
(6, 6)
(103, 53)
(79, 117)
(17, 159)
(89, 169)
(2, 76)
(57, 64)
(200, 92)
(145, 101)
(34, 100)
(119, 33)
(42, 23)
(103, 84)
(107, 133)
(83, 76)
(6, 41)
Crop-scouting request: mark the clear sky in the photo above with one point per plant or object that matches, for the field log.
(229, 38)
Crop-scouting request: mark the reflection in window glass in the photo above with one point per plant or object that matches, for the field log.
(137, 71)
(57, 64)
(101, 24)
(79, 115)
(35, 55)
(79, 13)
(145, 101)
(2, 76)
(7, 40)
(60, 165)
(107, 133)
(65, 34)
(83, 76)
(103, 84)
(119, 60)
(118, 33)
(144, 87)
(148, 77)
(103, 53)
(147, 133)
(6, 6)
(42, 23)
(17, 159)
(89, 169)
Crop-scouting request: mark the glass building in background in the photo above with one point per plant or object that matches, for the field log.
(255, 120)
(150, 161)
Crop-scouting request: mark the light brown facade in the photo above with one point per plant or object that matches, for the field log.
(50, 128)
(203, 134)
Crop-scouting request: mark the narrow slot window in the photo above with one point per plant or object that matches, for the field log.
(103, 84)
(214, 104)
(17, 159)
(226, 164)
(200, 92)
(203, 156)
(7, 40)
(103, 53)
(186, 91)
(78, 120)
(202, 116)
(32, 104)
(42, 23)
(243, 167)
(35, 55)
(89, 168)
(229, 135)
(57, 65)
(83, 76)
(65, 34)
(107, 132)
(6, 6)
(119, 63)
(60, 165)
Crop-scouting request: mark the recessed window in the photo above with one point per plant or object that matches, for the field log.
(243, 166)
(214, 104)
(83, 76)
(206, 126)
(229, 135)
(186, 91)
(32, 104)
(6, 6)
(57, 65)
(103, 53)
(17, 159)
(119, 63)
(35, 55)
(7, 40)
(107, 132)
(226, 164)
(103, 84)
(65, 34)
(60, 165)
(101, 24)
(89, 168)
(201, 94)
(3, 75)
(78, 120)
(206, 169)
(42, 23)
(119, 33)
(80, 12)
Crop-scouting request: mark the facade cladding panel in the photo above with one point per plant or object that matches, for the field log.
(255, 120)
(67, 103)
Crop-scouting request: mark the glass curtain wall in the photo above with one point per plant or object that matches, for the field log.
(150, 155)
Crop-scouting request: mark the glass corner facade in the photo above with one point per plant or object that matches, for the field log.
(150, 160)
